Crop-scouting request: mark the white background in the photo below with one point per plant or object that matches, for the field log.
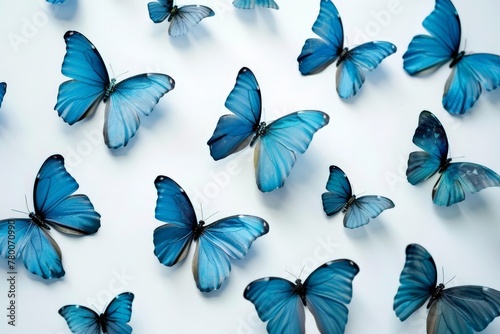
(369, 137)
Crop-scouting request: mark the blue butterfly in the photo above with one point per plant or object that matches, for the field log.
(455, 177)
(358, 211)
(180, 18)
(3, 89)
(229, 237)
(125, 101)
(56, 2)
(457, 310)
(276, 143)
(114, 320)
(55, 206)
(317, 54)
(326, 292)
(250, 4)
(469, 72)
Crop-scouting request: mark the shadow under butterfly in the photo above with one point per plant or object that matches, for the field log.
(457, 310)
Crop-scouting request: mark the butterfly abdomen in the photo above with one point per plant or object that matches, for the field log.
(198, 230)
(436, 294)
(259, 132)
(300, 290)
(457, 58)
(38, 220)
(110, 88)
(444, 165)
(173, 12)
(102, 322)
(348, 204)
(343, 55)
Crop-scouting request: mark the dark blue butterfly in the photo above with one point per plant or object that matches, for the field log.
(455, 177)
(276, 143)
(125, 101)
(180, 18)
(358, 210)
(250, 4)
(114, 320)
(56, 2)
(317, 54)
(457, 310)
(3, 89)
(229, 237)
(469, 72)
(55, 206)
(326, 292)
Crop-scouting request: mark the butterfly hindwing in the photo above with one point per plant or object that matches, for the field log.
(187, 17)
(81, 319)
(3, 89)
(160, 10)
(276, 150)
(230, 237)
(250, 4)
(364, 208)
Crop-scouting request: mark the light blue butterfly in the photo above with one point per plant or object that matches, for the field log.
(358, 210)
(470, 72)
(56, 2)
(181, 18)
(3, 90)
(276, 144)
(317, 54)
(79, 97)
(250, 4)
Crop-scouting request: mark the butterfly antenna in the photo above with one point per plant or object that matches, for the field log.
(301, 270)
(19, 211)
(26, 203)
(291, 274)
(213, 214)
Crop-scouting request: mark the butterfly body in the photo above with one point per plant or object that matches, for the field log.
(457, 310)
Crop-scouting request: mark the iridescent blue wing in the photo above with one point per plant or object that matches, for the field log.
(3, 89)
(364, 208)
(118, 313)
(417, 281)
(276, 150)
(276, 301)
(250, 4)
(235, 131)
(469, 75)
(463, 309)
(160, 10)
(227, 238)
(186, 17)
(431, 137)
(449, 189)
(339, 191)
(40, 253)
(317, 53)
(366, 56)
(81, 319)
(173, 207)
(134, 96)
(55, 2)
(426, 52)
(79, 97)
(328, 291)
(55, 204)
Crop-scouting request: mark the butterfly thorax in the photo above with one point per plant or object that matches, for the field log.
(457, 58)
(198, 230)
(261, 130)
(110, 88)
(38, 220)
(173, 12)
(444, 164)
(343, 55)
(102, 322)
(348, 204)
(300, 290)
(436, 294)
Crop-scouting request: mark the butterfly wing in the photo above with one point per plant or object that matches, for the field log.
(469, 75)
(40, 253)
(187, 17)
(417, 281)
(235, 131)
(134, 96)
(277, 149)
(55, 204)
(276, 301)
(431, 137)
(339, 191)
(317, 53)
(173, 206)
(328, 291)
(250, 4)
(3, 89)
(81, 319)
(366, 56)
(426, 52)
(160, 10)
(118, 314)
(230, 237)
(364, 208)
(462, 309)
(449, 189)
(79, 97)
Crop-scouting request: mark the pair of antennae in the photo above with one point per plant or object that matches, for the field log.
(27, 207)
